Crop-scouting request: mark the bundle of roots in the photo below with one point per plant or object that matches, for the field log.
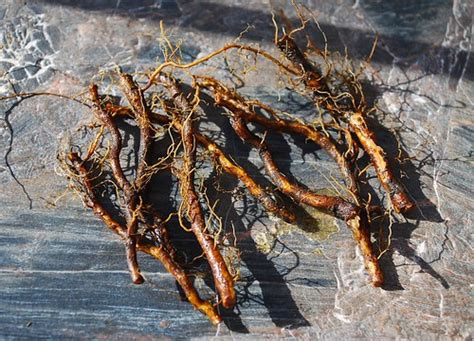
(163, 102)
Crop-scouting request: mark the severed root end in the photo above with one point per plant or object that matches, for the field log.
(359, 227)
(137, 278)
(401, 202)
(210, 311)
(229, 298)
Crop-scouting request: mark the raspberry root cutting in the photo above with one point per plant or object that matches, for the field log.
(166, 114)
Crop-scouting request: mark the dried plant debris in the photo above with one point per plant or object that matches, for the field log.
(166, 108)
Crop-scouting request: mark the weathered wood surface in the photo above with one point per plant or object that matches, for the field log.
(63, 275)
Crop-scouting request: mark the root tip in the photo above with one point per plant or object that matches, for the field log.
(402, 203)
(229, 301)
(138, 279)
(377, 283)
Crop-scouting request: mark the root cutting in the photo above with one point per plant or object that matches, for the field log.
(168, 112)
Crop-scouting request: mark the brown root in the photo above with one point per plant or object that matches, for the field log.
(222, 278)
(130, 196)
(317, 85)
(335, 206)
(159, 252)
(171, 116)
(232, 101)
(400, 200)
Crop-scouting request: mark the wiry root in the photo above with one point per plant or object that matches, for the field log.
(233, 101)
(352, 111)
(129, 199)
(222, 278)
(360, 230)
(78, 167)
(161, 105)
(400, 200)
(335, 206)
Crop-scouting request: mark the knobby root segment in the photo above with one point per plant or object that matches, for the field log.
(223, 280)
(317, 84)
(400, 200)
(159, 252)
(333, 205)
